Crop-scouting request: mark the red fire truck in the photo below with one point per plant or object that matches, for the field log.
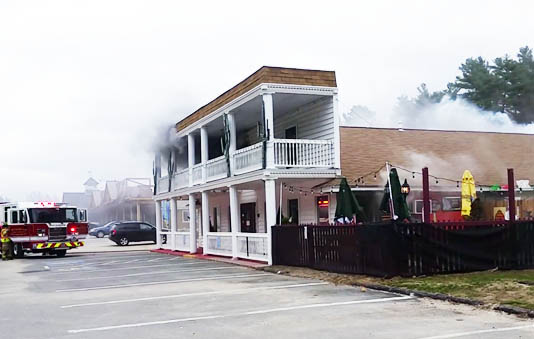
(44, 227)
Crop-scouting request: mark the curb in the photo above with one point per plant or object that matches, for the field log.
(509, 309)
(437, 296)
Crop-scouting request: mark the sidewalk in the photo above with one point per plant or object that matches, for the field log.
(240, 262)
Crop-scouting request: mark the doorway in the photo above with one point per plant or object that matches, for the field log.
(248, 217)
(293, 211)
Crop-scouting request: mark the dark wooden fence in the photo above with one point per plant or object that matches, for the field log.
(406, 249)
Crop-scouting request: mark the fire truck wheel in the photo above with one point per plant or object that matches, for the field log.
(61, 253)
(18, 252)
(124, 241)
(100, 234)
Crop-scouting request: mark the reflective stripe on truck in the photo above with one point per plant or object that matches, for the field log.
(66, 244)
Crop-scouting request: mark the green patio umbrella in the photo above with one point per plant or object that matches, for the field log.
(399, 203)
(347, 205)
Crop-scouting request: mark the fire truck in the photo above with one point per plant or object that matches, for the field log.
(44, 227)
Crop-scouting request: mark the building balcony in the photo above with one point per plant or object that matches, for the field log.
(278, 154)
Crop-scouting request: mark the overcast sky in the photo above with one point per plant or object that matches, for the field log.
(84, 85)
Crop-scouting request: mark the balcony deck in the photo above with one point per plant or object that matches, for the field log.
(276, 154)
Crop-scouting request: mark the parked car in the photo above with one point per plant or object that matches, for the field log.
(93, 225)
(101, 231)
(126, 232)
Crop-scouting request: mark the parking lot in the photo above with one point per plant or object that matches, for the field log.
(149, 295)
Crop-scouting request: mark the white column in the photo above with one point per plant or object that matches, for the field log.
(205, 219)
(191, 156)
(233, 141)
(204, 151)
(174, 224)
(269, 123)
(192, 224)
(139, 211)
(337, 141)
(158, 223)
(234, 218)
(270, 213)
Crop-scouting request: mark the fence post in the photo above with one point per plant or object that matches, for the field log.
(511, 194)
(426, 196)
(311, 248)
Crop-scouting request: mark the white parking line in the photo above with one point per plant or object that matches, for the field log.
(491, 330)
(219, 316)
(130, 261)
(96, 259)
(215, 277)
(172, 296)
(78, 270)
(156, 259)
(157, 272)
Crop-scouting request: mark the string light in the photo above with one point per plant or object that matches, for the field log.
(435, 177)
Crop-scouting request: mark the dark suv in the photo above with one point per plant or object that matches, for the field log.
(131, 231)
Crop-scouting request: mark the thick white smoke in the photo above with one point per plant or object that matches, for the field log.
(457, 115)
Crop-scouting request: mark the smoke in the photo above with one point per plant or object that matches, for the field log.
(453, 115)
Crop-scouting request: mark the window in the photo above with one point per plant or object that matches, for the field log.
(46, 215)
(14, 217)
(145, 227)
(452, 203)
(22, 217)
(83, 215)
(322, 209)
(185, 216)
(418, 206)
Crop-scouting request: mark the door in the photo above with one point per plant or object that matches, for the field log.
(248, 217)
(147, 233)
(293, 208)
(291, 149)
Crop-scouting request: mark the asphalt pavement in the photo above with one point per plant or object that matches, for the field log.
(140, 294)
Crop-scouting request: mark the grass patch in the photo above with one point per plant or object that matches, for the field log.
(493, 287)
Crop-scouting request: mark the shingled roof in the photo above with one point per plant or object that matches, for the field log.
(446, 153)
(266, 74)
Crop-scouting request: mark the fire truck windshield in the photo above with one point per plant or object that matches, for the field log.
(47, 215)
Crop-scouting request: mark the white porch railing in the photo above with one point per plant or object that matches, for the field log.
(253, 246)
(163, 185)
(248, 159)
(167, 244)
(181, 241)
(219, 243)
(303, 153)
(216, 168)
(197, 174)
(181, 179)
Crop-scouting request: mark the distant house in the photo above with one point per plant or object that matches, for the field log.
(128, 199)
(81, 199)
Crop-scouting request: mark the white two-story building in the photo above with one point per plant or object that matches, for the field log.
(260, 150)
